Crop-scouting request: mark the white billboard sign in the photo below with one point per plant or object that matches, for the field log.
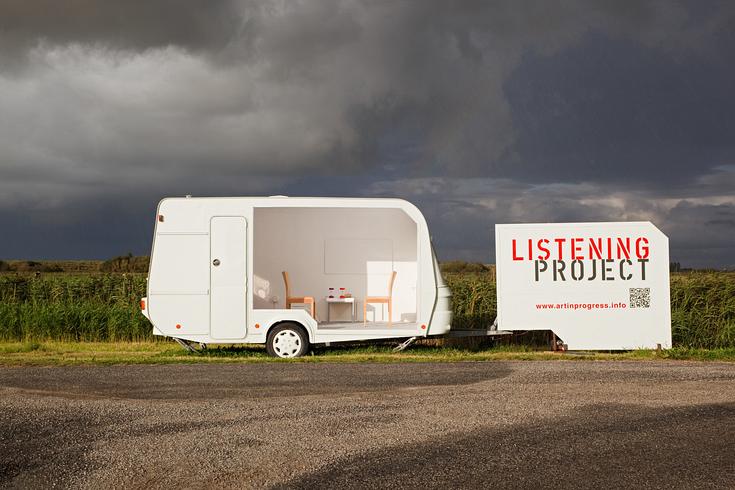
(597, 286)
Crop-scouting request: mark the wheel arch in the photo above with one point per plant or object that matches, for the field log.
(295, 323)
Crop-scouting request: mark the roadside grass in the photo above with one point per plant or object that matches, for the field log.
(54, 353)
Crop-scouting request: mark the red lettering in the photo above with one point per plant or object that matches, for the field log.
(596, 249)
(624, 247)
(543, 248)
(576, 249)
(588, 248)
(515, 256)
(560, 242)
(641, 250)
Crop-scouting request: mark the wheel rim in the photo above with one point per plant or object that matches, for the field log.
(287, 343)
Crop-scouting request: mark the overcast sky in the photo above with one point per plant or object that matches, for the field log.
(478, 112)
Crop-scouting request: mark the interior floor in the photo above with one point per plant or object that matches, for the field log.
(395, 326)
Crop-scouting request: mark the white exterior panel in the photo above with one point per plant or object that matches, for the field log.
(597, 286)
(228, 277)
(180, 293)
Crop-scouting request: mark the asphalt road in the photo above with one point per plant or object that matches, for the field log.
(496, 424)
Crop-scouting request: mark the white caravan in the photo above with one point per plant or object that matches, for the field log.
(290, 272)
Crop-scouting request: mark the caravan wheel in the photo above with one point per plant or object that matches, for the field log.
(287, 340)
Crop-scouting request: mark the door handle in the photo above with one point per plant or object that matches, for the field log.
(215, 262)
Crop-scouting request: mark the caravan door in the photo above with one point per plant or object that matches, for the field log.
(228, 277)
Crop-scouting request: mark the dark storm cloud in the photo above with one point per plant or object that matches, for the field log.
(481, 112)
(133, 24)
(613, 110)
(267, 86)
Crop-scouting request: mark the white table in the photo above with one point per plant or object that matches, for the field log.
(351, 300)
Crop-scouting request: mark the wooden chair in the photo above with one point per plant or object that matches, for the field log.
(381, 300)
(299, 300)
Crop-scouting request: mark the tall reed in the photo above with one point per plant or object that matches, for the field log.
(702, 306)
(79, 307)
(105, 307)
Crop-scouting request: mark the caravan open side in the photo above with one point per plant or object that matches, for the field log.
(355, 269)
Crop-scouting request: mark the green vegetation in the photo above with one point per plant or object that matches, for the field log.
(30, 266)
(460, 266)
(74, 353)
(104, 307)
(73, 307)
(702, 307)
(473, 299)
(703, 310)
(123, 263)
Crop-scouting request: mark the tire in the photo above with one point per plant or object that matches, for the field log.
(287, 341)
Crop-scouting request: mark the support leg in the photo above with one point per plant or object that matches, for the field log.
(402, 346)
(186, 345)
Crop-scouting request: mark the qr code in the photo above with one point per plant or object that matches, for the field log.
(640, 297)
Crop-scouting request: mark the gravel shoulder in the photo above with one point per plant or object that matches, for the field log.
(647, 424)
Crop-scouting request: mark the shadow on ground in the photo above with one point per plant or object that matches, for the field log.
(242, 381)
(49, 448)
(605, 446)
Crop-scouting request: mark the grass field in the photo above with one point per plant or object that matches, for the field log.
(167, 352)
(104, 307)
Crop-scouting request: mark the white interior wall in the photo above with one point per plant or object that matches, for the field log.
(354, 248)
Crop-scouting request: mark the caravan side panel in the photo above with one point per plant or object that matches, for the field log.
(178, 294)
